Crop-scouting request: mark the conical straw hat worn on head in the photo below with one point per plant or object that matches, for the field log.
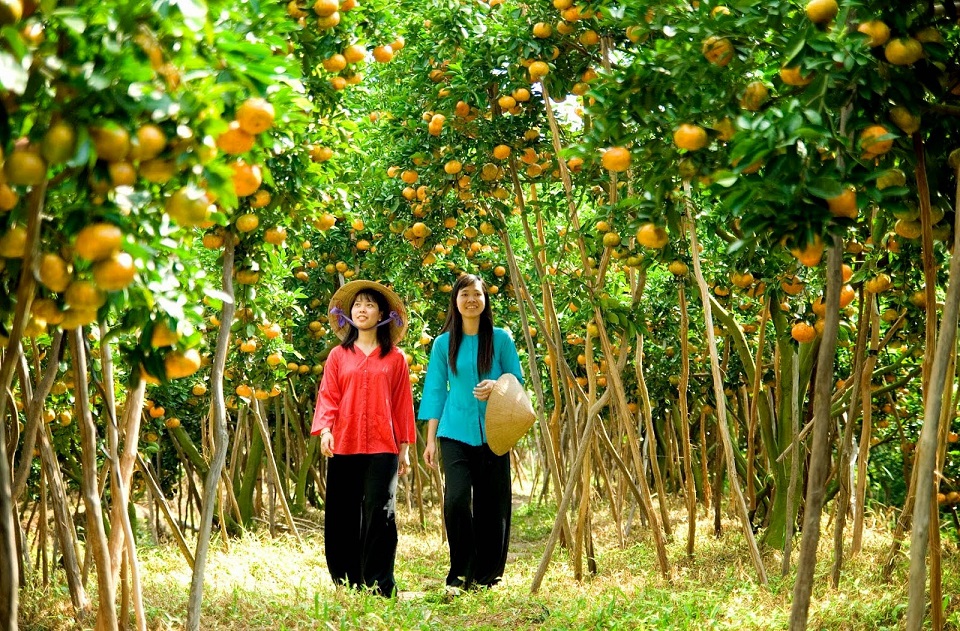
(342, 301)
(509, 414)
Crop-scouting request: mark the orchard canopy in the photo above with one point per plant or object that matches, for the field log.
(722, 235)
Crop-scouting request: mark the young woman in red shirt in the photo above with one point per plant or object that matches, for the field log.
(365, 420)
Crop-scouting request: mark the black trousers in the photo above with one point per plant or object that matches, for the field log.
(360, 524)
(476, 509)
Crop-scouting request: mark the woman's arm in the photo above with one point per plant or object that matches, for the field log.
(430, 452)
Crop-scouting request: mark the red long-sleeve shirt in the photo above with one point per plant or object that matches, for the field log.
(366, 401)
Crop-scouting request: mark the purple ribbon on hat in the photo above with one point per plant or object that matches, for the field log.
(343, 320)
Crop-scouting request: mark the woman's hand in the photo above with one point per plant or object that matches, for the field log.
(326, 444)
(430, 454)
(403, 459)
(483, 389)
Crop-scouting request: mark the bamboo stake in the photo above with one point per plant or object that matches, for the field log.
(718, 390)
(157, 493)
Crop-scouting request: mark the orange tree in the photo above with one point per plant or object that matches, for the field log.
(125, 129)
(783, 129)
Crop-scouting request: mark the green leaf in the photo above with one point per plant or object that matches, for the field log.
(824, 188)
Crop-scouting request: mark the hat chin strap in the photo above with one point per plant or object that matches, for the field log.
(343, 319)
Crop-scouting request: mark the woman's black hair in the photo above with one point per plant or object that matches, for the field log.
(384, 339)
(454, 324)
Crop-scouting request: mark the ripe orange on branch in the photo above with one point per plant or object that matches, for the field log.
(877, 32)
(255, 116)
(690, 137)
(98, 241)
(873, 143)
(903, 51)
(793, 76)
(616, 159)
(652, 236)
(717, 50)
(821, 11)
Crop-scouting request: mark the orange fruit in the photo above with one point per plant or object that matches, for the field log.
(325, 8)
(157, 171)
(248, 277)
(678, 268)
(844, 204)
(329, 21)
(501, 152)
(803, 332)
(791, 286)
(247, 178)
(55, 273)
(870, 141)
(98, 241)
(255, 115)
(334, 63)
(275, 235)
(354, 53)
(260, 199)
(150, 142)
(77, 316)
(181, 363)
(235, 140)
(84, 294)
(162, 335)
(122, 173)
(877, 32)
(47, 310)
(9, 198)
(213, 241)
(189, 206)
(538, 70)
(172, 423)
(111, 143)
(822, 11)
(320, 153)
(754, 96)
(793, 76)
(903, 51)
(115, 273)
(542, 30)
(907, 121)
(59, 143)
(718, 50)
(810, 253)
(247, 222)
(383, 54)
(616, 159)
(651, 235)
(690, 137)
(25, 167)
(325, 221)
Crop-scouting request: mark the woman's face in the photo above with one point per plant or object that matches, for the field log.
(365, 312)
(471, 301)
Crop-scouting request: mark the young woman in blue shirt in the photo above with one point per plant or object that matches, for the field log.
(465, 362)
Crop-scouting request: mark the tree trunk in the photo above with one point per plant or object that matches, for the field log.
(819, 445)
(90, 488)
(218, 416)
(926, 453)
